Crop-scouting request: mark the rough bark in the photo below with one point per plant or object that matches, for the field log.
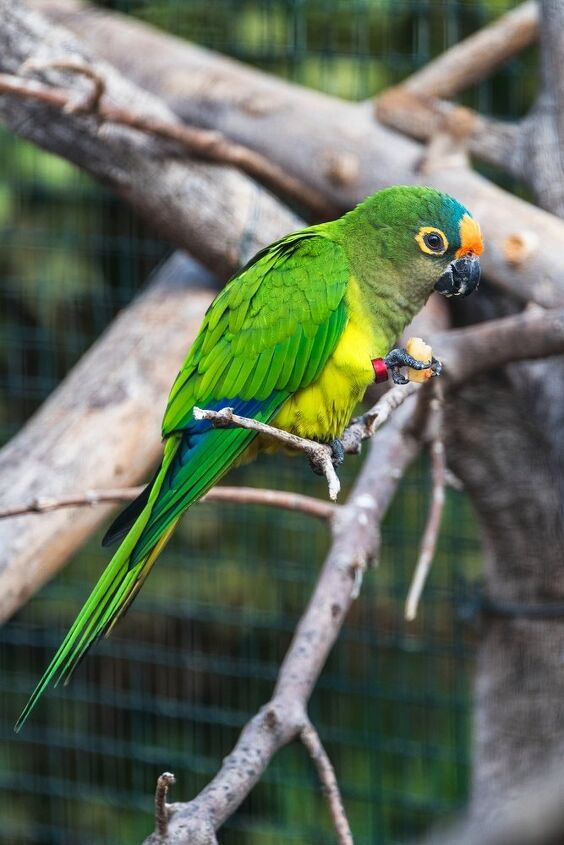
(541, 150)
(334, 146)
(503, 446)
(505, 443)
(218, 214)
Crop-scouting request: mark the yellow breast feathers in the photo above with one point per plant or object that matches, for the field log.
(322, 410)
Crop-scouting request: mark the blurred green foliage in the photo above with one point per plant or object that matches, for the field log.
(200, 650)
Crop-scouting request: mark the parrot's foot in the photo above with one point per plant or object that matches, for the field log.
(398, 357)
(337, 456)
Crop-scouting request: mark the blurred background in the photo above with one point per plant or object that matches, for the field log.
(199, 651)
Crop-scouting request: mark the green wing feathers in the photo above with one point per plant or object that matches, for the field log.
(266, 335)
(272, 328)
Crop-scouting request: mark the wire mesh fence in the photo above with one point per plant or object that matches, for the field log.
(199, 651)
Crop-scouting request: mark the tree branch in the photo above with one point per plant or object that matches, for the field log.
(216, 211)
(478, 56)
(433, 527)
(415, 106)
(166, 780)
(283, 718)
(326, 772)
(332, 145)
(320, 454)
(494, 141)
(532, 334)
(238, 495)
(204, 143)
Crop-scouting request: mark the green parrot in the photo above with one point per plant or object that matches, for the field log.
(294, 339)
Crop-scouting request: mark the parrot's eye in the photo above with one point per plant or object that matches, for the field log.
(432, 241)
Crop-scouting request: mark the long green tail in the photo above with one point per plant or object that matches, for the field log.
(107, 603)
(193, 462)
(129, 567)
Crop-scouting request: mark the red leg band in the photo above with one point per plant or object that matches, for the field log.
(380, 370)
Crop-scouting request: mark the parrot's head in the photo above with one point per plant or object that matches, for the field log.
(431, 236)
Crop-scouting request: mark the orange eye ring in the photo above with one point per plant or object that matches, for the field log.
(431, 240)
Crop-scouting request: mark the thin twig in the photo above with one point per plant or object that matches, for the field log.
(239, 495)
(432, 529)
(318, 453)
(326, 773)
(161, 808)
(206, 143)
(362, 428)
(86, 105)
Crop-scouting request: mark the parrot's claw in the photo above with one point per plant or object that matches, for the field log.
(338, 449)
(337, 456)
(398, 357)
(436, 366)
(397, 377)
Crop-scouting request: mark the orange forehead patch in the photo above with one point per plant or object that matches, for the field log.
(470, 237)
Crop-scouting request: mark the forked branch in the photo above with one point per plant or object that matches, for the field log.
(355, 542)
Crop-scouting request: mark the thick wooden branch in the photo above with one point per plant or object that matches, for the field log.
(201, 143)
(478, 56)
(552, 56)
(218, 212)
(533, 334)
(334, 146)
(493, 141)
(415, 106)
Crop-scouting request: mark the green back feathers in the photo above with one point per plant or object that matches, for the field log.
(272, 328)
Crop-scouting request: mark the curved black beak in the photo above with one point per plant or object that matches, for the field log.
(461, 277)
